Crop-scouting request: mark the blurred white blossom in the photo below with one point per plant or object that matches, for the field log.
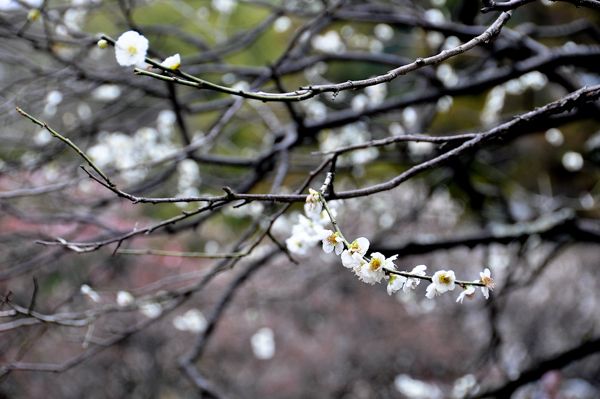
(469, 291)
(124, 298)
(193, 321)
(383, 32)
(106, 92)
(282, 24)
(224, 6)
(554, 137)
(416, 389)
(151, 309)
(572, 161)
(263, 343)
(329, 42)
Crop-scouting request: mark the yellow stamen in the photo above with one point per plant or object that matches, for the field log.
(488, 282)
(375, 264)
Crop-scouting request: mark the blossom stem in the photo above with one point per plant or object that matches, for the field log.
(333, 221)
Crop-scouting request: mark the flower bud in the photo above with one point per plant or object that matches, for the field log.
(102, 43)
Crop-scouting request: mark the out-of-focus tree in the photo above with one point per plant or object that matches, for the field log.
(194, 194)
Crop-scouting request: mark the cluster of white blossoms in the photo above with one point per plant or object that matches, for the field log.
(310, 229)
(376, 267)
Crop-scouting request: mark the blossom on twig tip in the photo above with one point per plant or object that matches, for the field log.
(172, 62)
(313, 205)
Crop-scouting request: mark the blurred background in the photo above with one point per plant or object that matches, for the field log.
(107, 297)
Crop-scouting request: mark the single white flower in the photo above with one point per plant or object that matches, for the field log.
(297, 244)
(411, 283)
(333, 241)
(442, 281)
(374, 271)
(395, 283)
(193, 320)
(485, 278)
(124, 298)
(467, 292)
(151, 309)
(352, 256)
(313, 205)
(263, 343)
(131, 48)
(172, 62)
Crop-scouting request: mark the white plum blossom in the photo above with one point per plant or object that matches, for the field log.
(131, 48)
(554, 137)
(384, 32)
(193, 321)
(329, 42)
(395, 283)
(172, 62)
(124, 298)
(282, 24)
(486, 279)
(224, 6)
(374, 271)
(151, 309)
(305, 234)
(297, 244)
(313, 205)
(333, 241)
(106, 92)
(263, 343)
(572, 161)
(353, 256)
(467, 292)
(441, 281)
(411, 283)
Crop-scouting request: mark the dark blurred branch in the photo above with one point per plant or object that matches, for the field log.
(512, 4)
(553, 227)
(187, 361)
(535, 372)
